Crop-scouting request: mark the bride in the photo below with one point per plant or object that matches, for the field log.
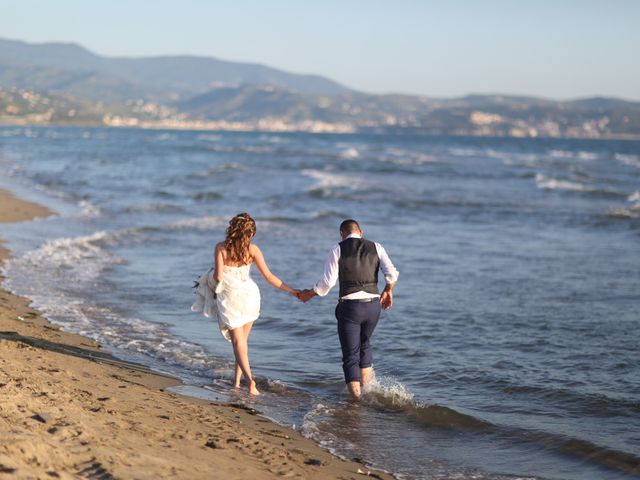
(237, 295)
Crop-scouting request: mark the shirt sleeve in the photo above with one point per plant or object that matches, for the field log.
(330, 275)
(388, 270)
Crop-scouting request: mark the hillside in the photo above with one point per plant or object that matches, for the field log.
(58, 83)
(75, 70)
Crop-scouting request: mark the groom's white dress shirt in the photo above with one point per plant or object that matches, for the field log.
(330, 275)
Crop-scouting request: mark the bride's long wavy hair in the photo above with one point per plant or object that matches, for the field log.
(240, 231)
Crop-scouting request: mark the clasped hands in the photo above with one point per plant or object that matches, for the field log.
(304, 295)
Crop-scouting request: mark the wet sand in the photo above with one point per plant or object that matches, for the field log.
(68, 409)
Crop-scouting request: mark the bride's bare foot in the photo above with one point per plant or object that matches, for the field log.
(252, 388)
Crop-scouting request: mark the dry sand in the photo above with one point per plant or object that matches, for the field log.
(70, 410)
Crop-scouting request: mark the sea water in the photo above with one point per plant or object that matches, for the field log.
(512, 349)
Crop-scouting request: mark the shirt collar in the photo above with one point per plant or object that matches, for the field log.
(354, 235)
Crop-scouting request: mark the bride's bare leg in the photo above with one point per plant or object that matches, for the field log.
(241, 351)
(238, 374)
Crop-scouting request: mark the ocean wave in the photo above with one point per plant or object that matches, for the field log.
(165, 136)
(625, 212)
(209, 137)
(584, 404)
(628, 159)
(68, 272)
(89, 210)
(77, 260)
(580, 155)
(253, 149)
(85, 208)
(402, 157)
(328, 214)
(328, 180)
(206, 196)
(550, 183)
(265, 137)
(584, 450)
(334, 185)
(312, 428)
(15, 132)
(51, 192)
(631, 211)
(350, 154)
(205, 223)
(218, 169)
(154, 207)
(463, 152)
(388, 393)
(130, 336)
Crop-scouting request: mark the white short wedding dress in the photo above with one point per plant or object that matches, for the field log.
(235, 301)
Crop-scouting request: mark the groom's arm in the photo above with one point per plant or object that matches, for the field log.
(328, 279)
(390, 275)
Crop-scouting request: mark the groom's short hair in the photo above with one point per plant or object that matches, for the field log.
(349, 226)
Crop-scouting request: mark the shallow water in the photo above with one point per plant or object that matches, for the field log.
(511, 351)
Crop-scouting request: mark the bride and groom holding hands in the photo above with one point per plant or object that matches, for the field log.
(228, 292)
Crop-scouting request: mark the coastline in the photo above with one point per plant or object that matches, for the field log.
(322, 128)
(68, 409)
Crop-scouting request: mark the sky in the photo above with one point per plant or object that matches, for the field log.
(560, 49)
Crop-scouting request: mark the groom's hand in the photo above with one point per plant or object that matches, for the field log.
(386, 299)
(306, 295)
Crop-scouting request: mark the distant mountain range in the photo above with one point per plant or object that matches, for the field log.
(57, 83)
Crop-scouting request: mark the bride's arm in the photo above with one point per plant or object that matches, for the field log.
(217, 270)
(258, 258)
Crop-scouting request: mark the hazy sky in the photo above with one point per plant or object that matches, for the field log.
(551, 48)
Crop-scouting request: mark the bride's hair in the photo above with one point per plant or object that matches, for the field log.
(241, 230)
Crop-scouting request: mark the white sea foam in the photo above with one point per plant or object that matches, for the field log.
(166, 136)
(311, 428)
(399, 156)
(581, 155)
(199, 223)
(634, 197)
(273, 139)
(463, 152)
(387, 390)
(79, 259)
(209, 137)
(52, 192)
(88, 209)
(631, 212)
(84, 208)
(11, 133)
(550, 183)
(350, 154)
(631, 160)
(59, 278)
(153, 207)
(327, 179)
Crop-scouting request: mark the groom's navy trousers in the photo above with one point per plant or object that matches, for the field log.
(356, 322)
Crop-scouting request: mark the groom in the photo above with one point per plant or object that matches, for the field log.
(355, 262)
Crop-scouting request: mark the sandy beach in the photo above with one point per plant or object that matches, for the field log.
(68, 409)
